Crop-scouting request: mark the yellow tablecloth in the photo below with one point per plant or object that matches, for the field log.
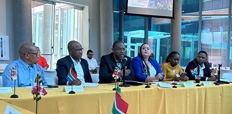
(141, 100)
(4, 104)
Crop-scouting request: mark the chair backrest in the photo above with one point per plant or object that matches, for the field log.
(1, 83)
(51, 77)
(95, 78)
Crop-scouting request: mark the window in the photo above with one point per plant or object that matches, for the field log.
(54, 25)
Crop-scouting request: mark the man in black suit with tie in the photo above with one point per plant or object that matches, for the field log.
(112, 60)
(76, 63)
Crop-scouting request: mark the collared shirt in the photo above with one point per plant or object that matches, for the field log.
(79, 70)
(119, 64)
(92, 63)
(26, 74)
(202, 70)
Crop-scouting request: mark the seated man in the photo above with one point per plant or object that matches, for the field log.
(111, 61)
(76, 63)
(26, 68)
(199, 66)
(91, 62)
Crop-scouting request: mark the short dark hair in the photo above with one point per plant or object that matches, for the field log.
(71, 43)
(170, 55)
(116, 42)
(203, 52)
(89, 51)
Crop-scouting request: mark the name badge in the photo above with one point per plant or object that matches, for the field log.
(5, 90)
(165, 85)
(188, 84)
(67, 89)
(206, 83)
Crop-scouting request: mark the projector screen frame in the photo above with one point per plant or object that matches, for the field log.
(147, 15)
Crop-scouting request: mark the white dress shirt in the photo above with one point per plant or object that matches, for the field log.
(92, 63)
(79, 70)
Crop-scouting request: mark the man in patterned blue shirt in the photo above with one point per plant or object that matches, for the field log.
(26, 68)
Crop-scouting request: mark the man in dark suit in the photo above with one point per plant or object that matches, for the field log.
(112, 60)
(200, 66)
(75, 62)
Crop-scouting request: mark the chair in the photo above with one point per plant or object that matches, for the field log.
(51, 77)
(1, 83)
(95, 78)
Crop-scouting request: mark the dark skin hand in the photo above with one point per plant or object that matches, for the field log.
(75, 82)
(213, 78)
(183, 78)
(94, 71)
(127, 72)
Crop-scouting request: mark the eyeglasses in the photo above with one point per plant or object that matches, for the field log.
(81, 49)
(36, 54)
(119, 49)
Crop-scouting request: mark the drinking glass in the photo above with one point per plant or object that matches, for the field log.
(198, 79)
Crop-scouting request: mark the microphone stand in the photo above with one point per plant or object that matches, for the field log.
(14, 77)
(14, 95)
(123, 77)
(198, 76)
(71, 92)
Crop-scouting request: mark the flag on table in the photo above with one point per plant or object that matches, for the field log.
(37, 89)
(71, 75)
(194, 71)
(116, 73)
(13, 73)
(119, 106)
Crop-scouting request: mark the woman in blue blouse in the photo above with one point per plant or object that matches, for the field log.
(146, 69)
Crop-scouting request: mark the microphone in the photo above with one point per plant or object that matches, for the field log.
(124, 59)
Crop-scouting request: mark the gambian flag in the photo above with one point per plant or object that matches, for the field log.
(119, 106)
(71, 75)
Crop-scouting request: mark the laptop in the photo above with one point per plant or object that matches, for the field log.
(226, 75)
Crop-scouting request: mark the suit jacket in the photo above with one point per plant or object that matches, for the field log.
(192, 65)
(63, 66)
(138, 67)
(107, 66)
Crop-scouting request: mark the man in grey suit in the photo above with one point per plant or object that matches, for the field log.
(115, 59)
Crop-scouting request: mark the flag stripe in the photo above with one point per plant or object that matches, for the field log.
(71, 75)
(37, 90)
(115, 109)
(119, 105)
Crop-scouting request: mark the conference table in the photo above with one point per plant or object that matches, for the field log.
(213, 99)
(3, 106)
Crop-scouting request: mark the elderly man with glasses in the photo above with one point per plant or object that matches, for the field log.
(26, 68)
